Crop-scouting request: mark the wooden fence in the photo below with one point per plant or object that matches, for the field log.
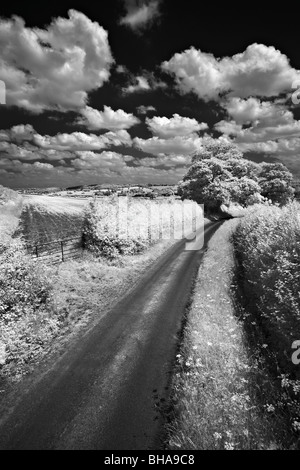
(57, 251)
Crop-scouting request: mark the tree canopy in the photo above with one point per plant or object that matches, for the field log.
(220, 175)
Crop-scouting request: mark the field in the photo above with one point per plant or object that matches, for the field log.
(46, 218)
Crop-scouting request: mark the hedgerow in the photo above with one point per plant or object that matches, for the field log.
(28, 318)
(267, 248)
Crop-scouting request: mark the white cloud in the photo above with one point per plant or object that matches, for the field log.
(140, 14)
(168, 161)
(175, 126)
(259, 71)
(145, 109)
(94, 119)
(111, 160)
(80, 141)
(175, 145)
(22, 142)
(265, 120)
(143, 83)
(55, 67)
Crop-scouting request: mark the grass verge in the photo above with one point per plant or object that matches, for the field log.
(214, 400)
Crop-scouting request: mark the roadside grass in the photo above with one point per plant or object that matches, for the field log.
(214, 400)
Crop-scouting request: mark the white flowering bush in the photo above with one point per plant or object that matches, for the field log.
(115, 227)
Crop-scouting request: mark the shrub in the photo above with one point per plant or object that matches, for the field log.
(103, 236)
(27, 317)
(113, 227)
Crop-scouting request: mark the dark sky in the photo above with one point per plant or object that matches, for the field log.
(219, 30)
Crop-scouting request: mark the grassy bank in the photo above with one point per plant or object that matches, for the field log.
(215, 404)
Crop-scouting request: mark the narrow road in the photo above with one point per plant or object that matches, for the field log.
(109, 391)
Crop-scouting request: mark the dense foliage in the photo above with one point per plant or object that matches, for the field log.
(267, 244)
(114, 228)
(220, 175)
(27, 317)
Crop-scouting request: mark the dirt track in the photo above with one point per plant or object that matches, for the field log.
(108, 392)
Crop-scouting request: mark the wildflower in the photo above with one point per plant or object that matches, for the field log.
(264, 346)
(270, 408)
(296, 425)
(285, 381)
(217, 436)
(229, 446)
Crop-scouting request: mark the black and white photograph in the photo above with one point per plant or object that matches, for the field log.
(149, 228)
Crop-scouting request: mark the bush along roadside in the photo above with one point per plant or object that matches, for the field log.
(267, 251)
(28, 319)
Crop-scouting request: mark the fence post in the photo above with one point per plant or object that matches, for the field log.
(62, 251)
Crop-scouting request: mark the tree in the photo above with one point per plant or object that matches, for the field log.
(276, 182)
(220, 175)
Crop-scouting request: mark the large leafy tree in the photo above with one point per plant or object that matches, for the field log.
(276, 182)
(219, 175)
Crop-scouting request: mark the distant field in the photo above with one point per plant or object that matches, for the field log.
(46, 218)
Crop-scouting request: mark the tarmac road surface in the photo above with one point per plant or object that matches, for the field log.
(110, 390)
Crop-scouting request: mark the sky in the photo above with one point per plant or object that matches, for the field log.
(126, 91)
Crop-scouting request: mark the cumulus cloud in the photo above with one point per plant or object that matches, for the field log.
(68, 142)
(94, 119)
(140, 14)
(266, 128)
(167, 161)
(167, 128)
(265, 121)
(55, 67)
(143, 83)
(145, 109)
(111, 160)
(179, 145)
(81, 141)
(258, 71)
